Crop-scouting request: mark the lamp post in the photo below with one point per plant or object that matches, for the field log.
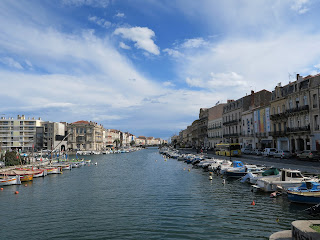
(230, 149)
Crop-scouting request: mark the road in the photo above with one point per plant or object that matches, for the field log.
(312, 167)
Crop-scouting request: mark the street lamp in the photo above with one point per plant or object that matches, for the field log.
(230, 149)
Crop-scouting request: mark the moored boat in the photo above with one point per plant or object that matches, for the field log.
(307, 192)
(10, 180)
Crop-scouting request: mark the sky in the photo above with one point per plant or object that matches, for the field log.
(148, 66)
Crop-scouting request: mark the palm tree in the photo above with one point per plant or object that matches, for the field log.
(117, 142)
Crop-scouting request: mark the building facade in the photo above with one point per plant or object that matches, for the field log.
(18, 134)
(86, 136)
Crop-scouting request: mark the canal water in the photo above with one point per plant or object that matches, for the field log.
(139, 195)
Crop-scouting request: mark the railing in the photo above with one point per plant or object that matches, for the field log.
(277, 133)
(299, 129)
(298, 109)
(232, 122)
(217, 127)
(278, 116)
(231, 135)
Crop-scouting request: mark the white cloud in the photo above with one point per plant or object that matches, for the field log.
(124, 46)
(300, 6)
(92, 3)
(100, 21)
(120, 15)
(11, 62)
(173, 53)
(142, 36)
(193, 43)
(168, 84)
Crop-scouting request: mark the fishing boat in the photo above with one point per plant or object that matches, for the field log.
(24, 175)
(286, 179)
(307, 192)
(235, 165)
(36, 172)
(53, 170)
(10, 180)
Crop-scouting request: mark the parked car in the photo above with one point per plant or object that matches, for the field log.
(269, 152)
(309, 155)
(246, 150)
(282, 154)
(258, 152)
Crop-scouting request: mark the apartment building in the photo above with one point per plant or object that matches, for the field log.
(51, 136)
(84, 135)
(215, 134)
(203, 127)
(18, 134)
(262, 128)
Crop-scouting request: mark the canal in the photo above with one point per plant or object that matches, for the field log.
(139, 195)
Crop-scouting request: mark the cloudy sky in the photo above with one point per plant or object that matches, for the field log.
(148, 66)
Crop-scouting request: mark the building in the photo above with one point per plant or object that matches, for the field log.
(86, 136)
(295, 113)
(215, 134)
(112, 136)
(141, 141)
(18, 134)
(262, 128)
(203, 128)
(51, 136)
(234, 123)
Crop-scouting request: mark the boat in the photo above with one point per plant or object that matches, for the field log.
(9, 180)
(234, 165)
(286, 179)
(307, 192)
(252, 178)
(53, 170)
(24, 175)
(239, 172)
(35, 172)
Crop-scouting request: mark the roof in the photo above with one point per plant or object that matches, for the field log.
(81, 122)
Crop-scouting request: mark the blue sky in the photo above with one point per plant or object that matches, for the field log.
(148, 66)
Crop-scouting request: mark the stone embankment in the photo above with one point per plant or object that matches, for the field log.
(300, 230)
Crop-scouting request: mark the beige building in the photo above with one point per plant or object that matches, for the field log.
(111, 136)
(84, 135)
(141, 140)
(215, 135)
(295, 113)
(18, 133)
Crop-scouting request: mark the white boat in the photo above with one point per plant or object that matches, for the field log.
(9, 180)
(238, 172)
(252, 178)
(286, 179)
(223, 163)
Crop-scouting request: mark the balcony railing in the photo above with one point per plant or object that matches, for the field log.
(278, 133)
(278, 116)
(217, 127)
(298, 109)
(231, 135)
(232, 122)
(299, 129)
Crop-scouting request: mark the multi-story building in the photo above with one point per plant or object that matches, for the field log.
(141, 141)
(314, 110)
(215, 135)
(294, 114)
(51, 136)
(234, 123)
(84, 135)
(112, 136)
(18, 133)
(203, 128)
(262, 128)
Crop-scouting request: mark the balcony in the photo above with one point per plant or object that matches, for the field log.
(231, 135)
(278, 133)
(279, 116)
(299, 129)
(232, 122)
(216, 127)
(293, 111)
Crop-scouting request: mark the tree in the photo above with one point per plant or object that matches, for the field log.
(117, 142)
(11, 158)
(132, 143)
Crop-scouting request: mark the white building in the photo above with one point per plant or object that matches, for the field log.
(18, 133)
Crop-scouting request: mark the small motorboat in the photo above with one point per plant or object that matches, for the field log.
(308, 192)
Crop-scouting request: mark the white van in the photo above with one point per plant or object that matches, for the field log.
(269, 152)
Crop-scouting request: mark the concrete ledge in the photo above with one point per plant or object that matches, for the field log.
(283, 235)
(301, 230)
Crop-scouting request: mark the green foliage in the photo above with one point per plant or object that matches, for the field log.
(11, 159)
(316, 227)
(132, 143)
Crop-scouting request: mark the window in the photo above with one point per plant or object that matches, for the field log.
(314, 100)
(283, 108)
(273, 111)
(290, 104)
(278, 108)
(316, 124)
(305, 100)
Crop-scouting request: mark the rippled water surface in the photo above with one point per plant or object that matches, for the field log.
(140, 196)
